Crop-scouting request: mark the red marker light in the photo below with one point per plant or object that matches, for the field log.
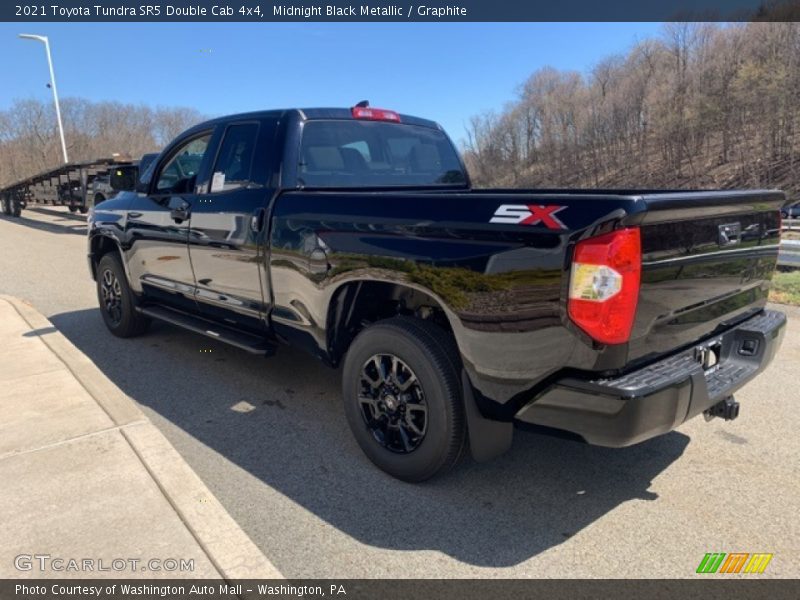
(366, 113)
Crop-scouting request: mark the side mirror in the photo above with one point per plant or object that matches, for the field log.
(179, 209)
(122, 178)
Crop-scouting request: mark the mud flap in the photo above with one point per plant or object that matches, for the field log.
(488, 439)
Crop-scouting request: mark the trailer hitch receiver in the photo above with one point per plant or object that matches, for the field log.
(728, 409)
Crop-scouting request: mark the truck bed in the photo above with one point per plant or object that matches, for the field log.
(505, 283)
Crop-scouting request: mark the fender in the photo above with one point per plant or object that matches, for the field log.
(96, 236)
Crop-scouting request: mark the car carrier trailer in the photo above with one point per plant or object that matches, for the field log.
(67, 185)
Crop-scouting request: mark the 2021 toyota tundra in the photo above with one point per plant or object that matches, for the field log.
(609, 315)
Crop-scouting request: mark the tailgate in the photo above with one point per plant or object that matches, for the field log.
(707, 261)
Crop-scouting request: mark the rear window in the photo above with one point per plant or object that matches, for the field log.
(376, 154)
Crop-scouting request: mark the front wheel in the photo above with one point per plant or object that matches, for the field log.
(117, 303)
(402, 398)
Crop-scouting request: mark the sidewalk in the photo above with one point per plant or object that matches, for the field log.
(85, 476)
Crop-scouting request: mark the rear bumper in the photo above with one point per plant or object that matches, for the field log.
(657, 398)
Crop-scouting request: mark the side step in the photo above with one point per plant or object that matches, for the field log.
(250, 343)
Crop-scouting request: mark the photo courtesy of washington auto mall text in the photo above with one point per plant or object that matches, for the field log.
(156, 590)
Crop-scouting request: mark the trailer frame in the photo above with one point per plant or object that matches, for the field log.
(66, 185)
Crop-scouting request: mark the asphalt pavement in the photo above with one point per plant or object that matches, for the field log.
(269, 439)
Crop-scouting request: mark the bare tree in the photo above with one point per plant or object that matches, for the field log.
(29, 140)
(702, 105)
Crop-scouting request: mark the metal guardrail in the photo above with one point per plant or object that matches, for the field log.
(789, 253)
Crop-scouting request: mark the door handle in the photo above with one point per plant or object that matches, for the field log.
(179, 209)
(134, 215)
(257, 220)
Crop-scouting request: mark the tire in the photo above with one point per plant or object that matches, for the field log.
(16, 208)
(116, 300)
(83, 210)
(7, 206)
(409, 420)
(72, 208)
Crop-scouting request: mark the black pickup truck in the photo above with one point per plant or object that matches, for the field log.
(610, 316)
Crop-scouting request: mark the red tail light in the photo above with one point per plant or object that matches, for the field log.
(604, 285)
(375, 114)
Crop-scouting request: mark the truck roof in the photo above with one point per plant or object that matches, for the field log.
(311, 114)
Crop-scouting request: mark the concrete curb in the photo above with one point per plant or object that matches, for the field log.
(228, 547)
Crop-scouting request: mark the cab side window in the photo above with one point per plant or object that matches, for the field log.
(179, 174)
(234, 163)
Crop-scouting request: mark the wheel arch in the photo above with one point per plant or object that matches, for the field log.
(357, 303)
(488, 436)
(101, 244)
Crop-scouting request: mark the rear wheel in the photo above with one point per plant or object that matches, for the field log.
(117, 303)
(402, 398)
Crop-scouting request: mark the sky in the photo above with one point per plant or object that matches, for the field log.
(447, 72)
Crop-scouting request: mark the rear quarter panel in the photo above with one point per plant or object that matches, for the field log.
(501, 286)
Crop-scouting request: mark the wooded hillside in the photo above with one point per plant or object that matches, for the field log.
(29, 141)
(701, 106)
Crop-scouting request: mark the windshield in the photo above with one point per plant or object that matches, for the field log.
(376, 154)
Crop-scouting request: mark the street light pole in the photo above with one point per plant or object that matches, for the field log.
(46, 42)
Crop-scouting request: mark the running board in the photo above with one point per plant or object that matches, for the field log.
(245, 341)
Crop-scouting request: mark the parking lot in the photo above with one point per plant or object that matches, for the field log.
(269, 438)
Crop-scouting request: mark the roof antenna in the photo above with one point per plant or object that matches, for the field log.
(363, 104)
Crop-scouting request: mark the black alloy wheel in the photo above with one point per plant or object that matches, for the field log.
(116, 300)
(393, 403)
(401, 386)
(111, 295)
